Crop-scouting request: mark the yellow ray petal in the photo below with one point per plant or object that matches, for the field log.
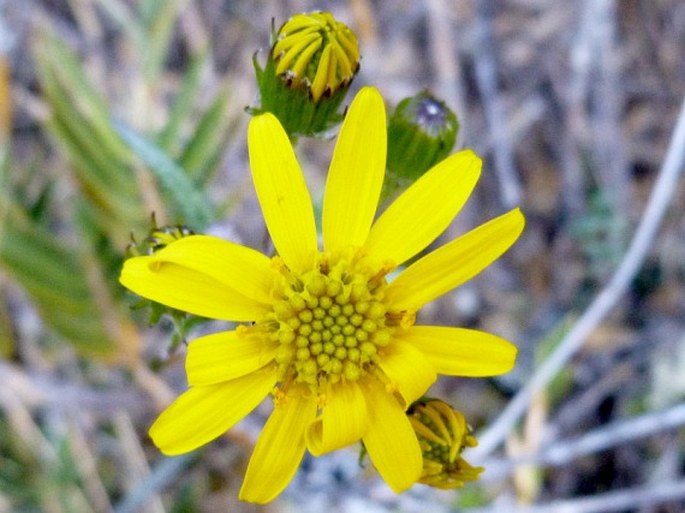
(356, 173)
(390, 439)
(225, 356)
(187, 290)
(343, 420)
(280, 447)
(454, 263)
(424, 210)
(239, 267)
(408, 370)
(201, 414)
(461, 351)
(282, 192)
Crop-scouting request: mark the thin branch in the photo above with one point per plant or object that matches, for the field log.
(166, 471)
(485, 67)
(614, 434)
(86, 465)
(659, 200)
(37, 391)
(136, 468)
(446, 62)
(631, 498)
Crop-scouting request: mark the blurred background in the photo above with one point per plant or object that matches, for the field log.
(113, 109)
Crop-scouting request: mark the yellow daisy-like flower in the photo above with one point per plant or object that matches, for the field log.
(328, 335)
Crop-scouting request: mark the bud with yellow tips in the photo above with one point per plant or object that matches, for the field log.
(312, 62)
(443, 434)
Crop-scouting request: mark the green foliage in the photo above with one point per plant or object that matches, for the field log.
(71, 274)
(54, 276)
(190, 202)
(80, 123)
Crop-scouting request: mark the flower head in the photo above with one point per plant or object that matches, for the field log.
(308, 71)
(316, 52)
(443, 434)
(327, 334)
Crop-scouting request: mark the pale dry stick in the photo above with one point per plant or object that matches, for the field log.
(661, 195)
(137, 469)
(158, 389)
(631, 498)
(6, 44)
(574, 91)
(87, 19)
(5, 504)
(165, 472)
(194, 30)
(37, 391)
(24, 427)
(485, 68)
(365, 19)
(446, 63)
(608, 139)
(85, 464)
(600, 439)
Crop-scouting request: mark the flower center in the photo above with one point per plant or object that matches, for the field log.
(331, 321)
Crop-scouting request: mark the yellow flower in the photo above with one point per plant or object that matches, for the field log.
(327, 334)
(443, 434)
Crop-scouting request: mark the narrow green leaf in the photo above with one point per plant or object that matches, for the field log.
(183, 103)
(160, 17)
(56, 60)
(190, 203)
(52, 276)
(121, 14)
(208, 134)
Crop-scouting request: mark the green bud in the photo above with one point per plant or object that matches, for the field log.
(157, 238)
(308, 71)
(421, 132)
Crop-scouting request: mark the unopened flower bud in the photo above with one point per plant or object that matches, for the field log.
(443, 434)
(421, 132)
(310, 66)
(158, 237)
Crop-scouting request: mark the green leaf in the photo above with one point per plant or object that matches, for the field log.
(52, 275)
(183, 102)
(190, 203)
(80, 124)
(200, 153)
(121, 14)
(159, 17)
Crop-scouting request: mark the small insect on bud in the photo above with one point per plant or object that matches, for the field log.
(443, 434)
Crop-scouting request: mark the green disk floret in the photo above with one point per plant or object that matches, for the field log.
(331, 322)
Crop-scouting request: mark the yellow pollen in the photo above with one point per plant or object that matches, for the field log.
(331, 322)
